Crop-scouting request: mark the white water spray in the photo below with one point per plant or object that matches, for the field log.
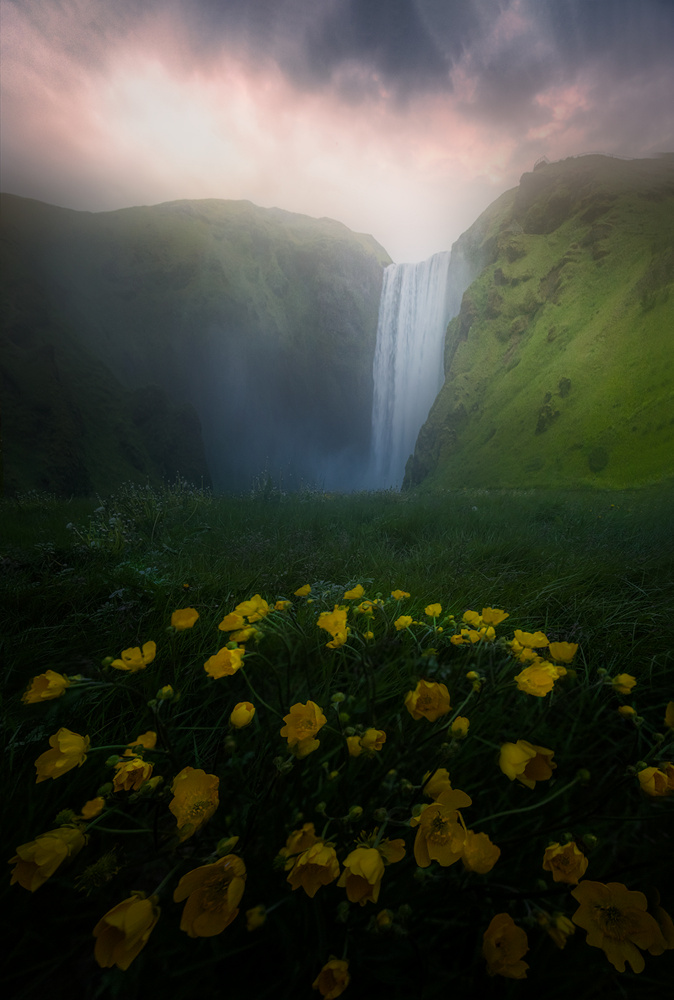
(417, 302)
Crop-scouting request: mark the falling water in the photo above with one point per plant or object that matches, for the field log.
(417, 302)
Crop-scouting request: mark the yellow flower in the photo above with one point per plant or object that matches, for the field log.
(298, 842)
(494, 616)
(504, 945)
(669, 715)
(124, 931)
(147, 740)
(93, 807)
(433, 610)
(303, 591)
(254, 609)
(231, 621)
(255, 917)
(365, 608)
(131, 773)
(68, 750)
(616, 921)
(184, 618)
(384, 920)
(353, 746)
(526, 762)
(399, 595)
(657, 781)
(135, 659)
(282, 606)
(459, 728)
(437, 784)
(538, 679)
(315, 867)
(479, 853)
(557, 926)
(354, 594)
(623, 683)
(244, 634)
(403, 622)
(37, 860)
(472, 618)
(213, 893)
(531, 639)
(362, 875)
(301, 725)
(429, 700)
(440, 835)
(242, 714)
(333, 978)
(334, 622)
(225, 663)
(372, 740)
(627, 711)
(44, 687)
(563, 651)
(567, 863)
(195, 799)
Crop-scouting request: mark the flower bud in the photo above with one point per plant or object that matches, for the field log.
(354, 813)
(106, 661)
(343, 912)
(226, 846)
(112, 761)
(242, 714)
(344, 717)
(104, 790)
(65, 817)
(165, 693)
(380, 815)
(583, 775)
(590, 841)
(320, 808)
(338, 697)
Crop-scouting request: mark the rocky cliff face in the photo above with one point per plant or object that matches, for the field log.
(204, 338)
(560, 365)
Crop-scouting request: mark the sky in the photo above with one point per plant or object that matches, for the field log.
(400, 118)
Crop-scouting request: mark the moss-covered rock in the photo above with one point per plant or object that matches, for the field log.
(560, 366)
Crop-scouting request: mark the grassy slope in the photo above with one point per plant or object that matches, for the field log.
(560, 366)
(205, 299)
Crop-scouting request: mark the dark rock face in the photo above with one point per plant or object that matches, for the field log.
(209, 339)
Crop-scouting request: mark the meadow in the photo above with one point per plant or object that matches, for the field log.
(302, 745)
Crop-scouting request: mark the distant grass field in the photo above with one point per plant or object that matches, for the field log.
(85, 581)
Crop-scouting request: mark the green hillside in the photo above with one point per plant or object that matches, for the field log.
(128, 336)
(560, 366)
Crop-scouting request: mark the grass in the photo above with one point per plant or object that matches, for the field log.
(84, 580)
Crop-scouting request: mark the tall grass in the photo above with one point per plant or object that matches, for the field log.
(84, 580)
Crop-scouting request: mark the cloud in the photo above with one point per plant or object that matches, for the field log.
(403, 118)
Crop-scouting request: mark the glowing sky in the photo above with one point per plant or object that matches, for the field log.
(400, 118)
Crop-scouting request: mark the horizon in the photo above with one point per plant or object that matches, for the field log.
(402, 120)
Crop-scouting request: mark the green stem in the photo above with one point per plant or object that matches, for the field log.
(256, 695)
(523, 809)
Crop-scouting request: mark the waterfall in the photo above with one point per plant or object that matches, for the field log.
(417, 302)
